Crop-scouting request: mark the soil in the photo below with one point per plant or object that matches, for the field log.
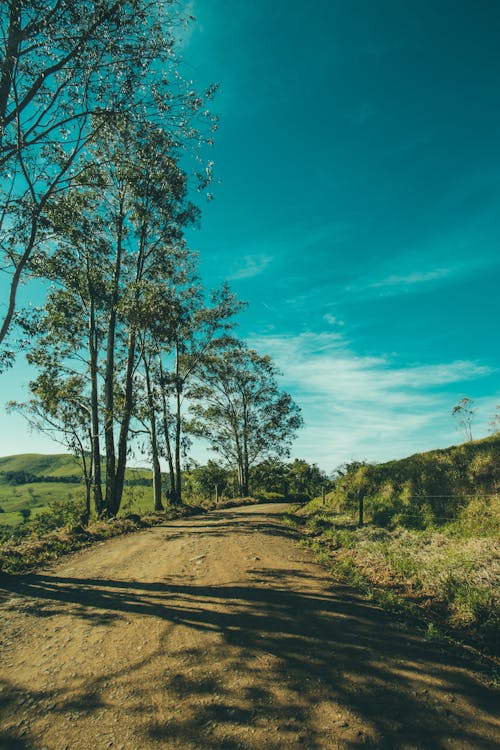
(222, 632)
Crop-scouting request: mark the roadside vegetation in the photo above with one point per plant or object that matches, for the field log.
(43, 509)
(429, 544)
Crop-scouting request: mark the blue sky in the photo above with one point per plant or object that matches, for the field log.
(356, 210)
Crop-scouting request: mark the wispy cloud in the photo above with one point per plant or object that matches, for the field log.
(416, 277)
(250, 266)
(364, 407)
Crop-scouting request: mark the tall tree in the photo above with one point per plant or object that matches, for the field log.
(119, 244)
(187, 329)
(199, 330)
(241, 411)
(66, 68)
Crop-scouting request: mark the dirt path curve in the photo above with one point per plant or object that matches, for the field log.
(221, 632)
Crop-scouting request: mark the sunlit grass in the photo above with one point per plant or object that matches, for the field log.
(451, 573)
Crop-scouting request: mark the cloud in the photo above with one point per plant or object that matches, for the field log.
(417, 277)
(251, 265)
(332, 320)
(407, 281)
(443, 257)
(364, 407)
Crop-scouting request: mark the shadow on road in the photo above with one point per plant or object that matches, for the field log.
(295, 651)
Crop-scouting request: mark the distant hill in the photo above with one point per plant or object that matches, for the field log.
(60, 465)
(37, 464)
(32, 480)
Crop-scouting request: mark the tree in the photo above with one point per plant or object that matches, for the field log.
(210, 481)
(298, 477)
(196, 329)
(464, 412)
(241, 411)
(270, 475)
(68, 67)
(306, 479)
(118, 245)
(494, 425)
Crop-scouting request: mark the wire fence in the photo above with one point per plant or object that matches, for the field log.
(426, 513)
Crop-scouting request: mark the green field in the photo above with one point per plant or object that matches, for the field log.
(17, 495)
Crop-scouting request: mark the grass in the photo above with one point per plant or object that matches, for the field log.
(446, 577)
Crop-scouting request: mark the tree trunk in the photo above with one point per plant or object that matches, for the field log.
(157, 482)
(166, 431)
(124, 427)
(177, 493)
(153, 436)
(87, 479)
(95, 447)
(178, 474)
(109, 413)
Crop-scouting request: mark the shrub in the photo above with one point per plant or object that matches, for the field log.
(58, 514)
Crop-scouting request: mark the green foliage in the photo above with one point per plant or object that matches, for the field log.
(297, 481)
(206, 478)
(240, 409)
(58, 514)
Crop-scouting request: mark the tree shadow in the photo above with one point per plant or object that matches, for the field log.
(288, 654)
(331, 646)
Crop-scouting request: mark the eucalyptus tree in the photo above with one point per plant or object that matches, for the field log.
(118, 244)
(187, 330)
(68, 67)
(464, 412)
(241, 410)
(147, 209)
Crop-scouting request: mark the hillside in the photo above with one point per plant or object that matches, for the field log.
(59, 465)
(29, 481)
(425, 488)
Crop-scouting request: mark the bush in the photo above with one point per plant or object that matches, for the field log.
(58, 514)
(384, 510)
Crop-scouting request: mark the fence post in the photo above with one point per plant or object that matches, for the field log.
(361, 509)
(216, 494)
(323, 495)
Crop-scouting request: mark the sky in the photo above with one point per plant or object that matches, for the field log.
(356, 209)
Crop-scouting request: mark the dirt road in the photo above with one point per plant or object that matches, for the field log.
(221, 632)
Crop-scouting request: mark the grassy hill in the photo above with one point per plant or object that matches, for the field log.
(425, 488)
(29, 481)
(60, 465)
